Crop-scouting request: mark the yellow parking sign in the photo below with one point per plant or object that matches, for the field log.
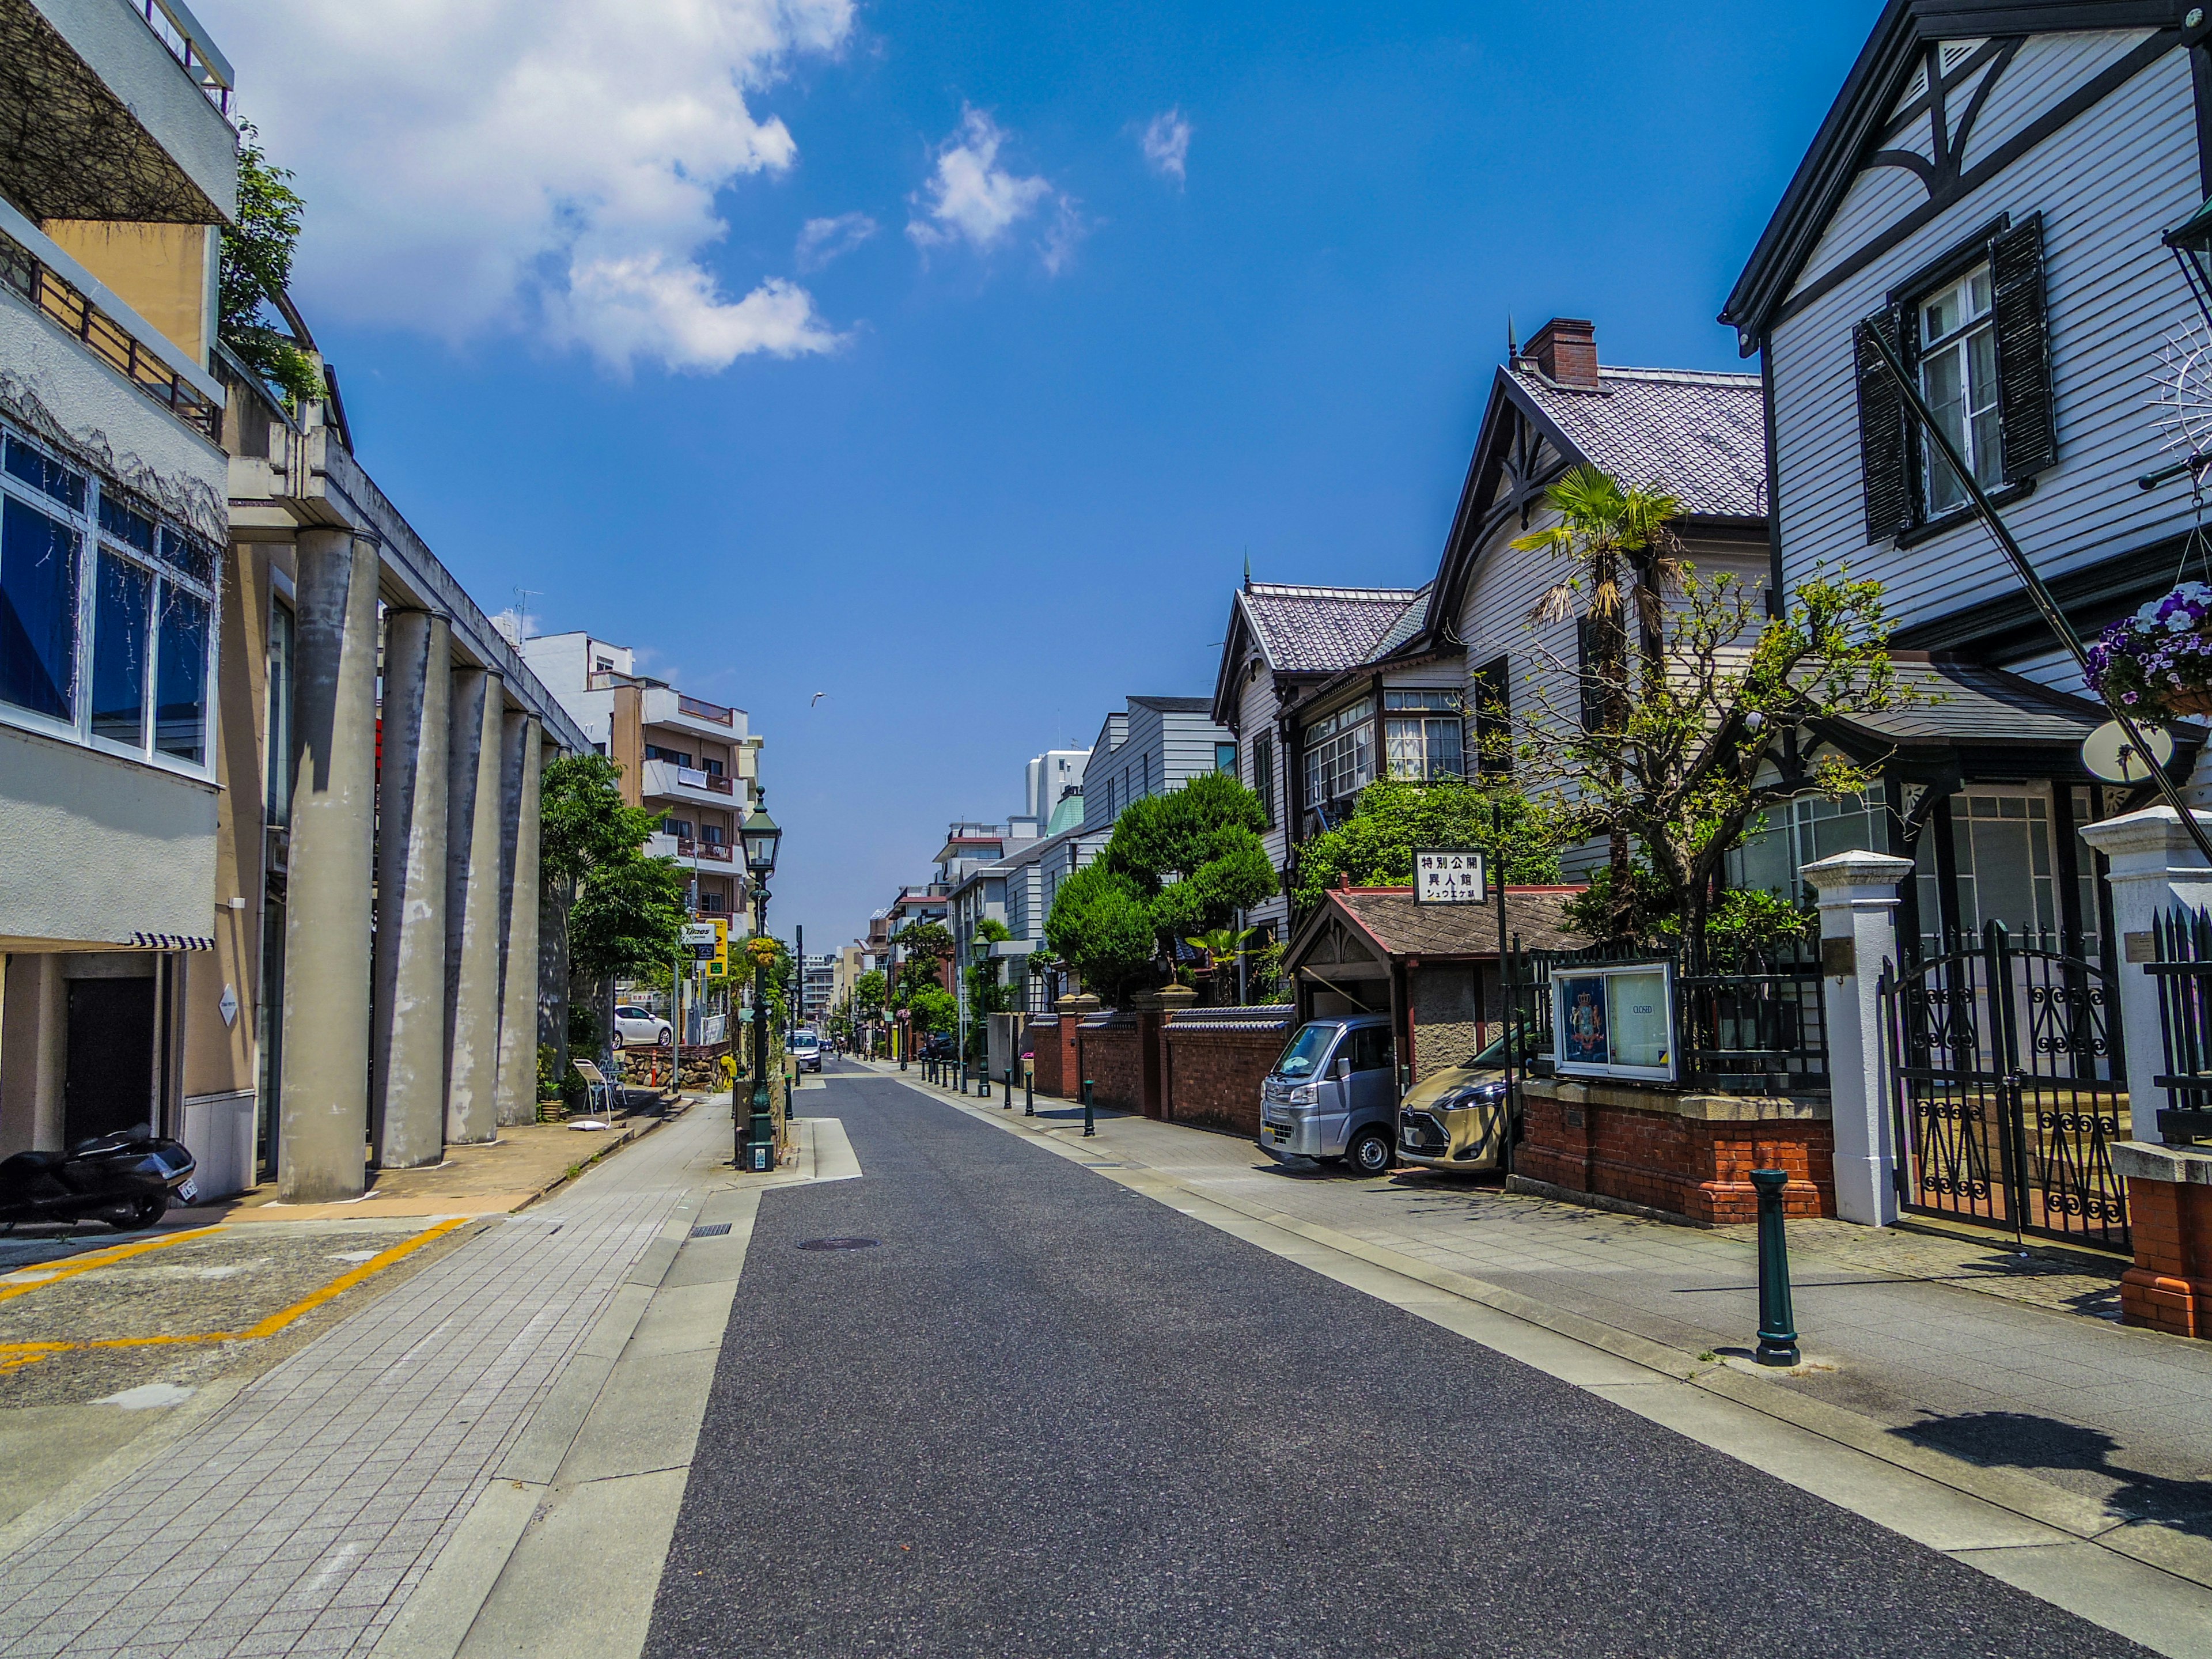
(718, 965)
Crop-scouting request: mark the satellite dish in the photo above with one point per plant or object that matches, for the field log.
(2108, 754)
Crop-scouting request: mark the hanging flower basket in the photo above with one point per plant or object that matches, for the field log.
(2158, 662)
(761, 950)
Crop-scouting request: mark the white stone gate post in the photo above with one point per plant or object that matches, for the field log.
(1858, 935)
(2154, 867)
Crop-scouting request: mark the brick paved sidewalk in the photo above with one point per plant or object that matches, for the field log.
(1965, 1348)
(298, 1518)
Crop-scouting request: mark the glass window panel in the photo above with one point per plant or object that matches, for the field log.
(1445, 760)
(2003, 879)
(280, 715)
(2012, 806)
(1943, 383)
(45, 474)
(180, 682)
(119, 648)
(1224, 758)
(1637, 1006)
(130, 528)
(38, 611)
(196, 559)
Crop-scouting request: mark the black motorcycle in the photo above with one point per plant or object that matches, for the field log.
(126, 1179)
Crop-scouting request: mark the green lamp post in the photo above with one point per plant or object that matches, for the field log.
(755, 1148)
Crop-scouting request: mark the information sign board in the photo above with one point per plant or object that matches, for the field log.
(1443, 875)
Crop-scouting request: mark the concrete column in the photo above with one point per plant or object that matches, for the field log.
(522, 754)
(1858, 935)
(472, 918)
(326, 912)
(33, 1051)
(407, 1096)
(2153, 868)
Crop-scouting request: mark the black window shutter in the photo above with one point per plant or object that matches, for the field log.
(2024, 402)
(1885, 448)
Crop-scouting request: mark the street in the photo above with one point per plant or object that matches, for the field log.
(1043, 1415)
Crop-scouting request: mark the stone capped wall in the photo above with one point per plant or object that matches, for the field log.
(1108, 1051)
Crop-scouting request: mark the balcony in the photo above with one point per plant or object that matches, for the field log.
(707, 855)
(44, 277)
(661, 780)
(665, 706)
(131, 98)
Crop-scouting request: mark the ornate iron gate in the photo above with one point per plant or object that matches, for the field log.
(2009, 1088)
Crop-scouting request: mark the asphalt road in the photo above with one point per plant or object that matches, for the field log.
(1047, 1416)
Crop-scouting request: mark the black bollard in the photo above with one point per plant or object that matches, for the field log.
(1777, 1324)
(1028, 1092)
(1090, 1125)
(1008, 1097)
(982, 1080)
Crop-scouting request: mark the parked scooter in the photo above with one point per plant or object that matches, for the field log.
(126, 1179)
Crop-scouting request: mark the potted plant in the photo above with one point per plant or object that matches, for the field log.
(2157, 662)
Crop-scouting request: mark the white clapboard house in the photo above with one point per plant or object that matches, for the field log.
(1989, 195)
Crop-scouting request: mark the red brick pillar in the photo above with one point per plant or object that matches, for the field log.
(2170, 1217)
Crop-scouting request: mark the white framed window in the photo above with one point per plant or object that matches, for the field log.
(1340, 752)
(1424, 735)
(1957, 339)
(107, 613)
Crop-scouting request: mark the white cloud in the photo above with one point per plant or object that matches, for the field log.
(1166, 142)
(970, 197)
(480, 164)
(823, 240)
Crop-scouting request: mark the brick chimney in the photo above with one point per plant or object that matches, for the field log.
(1564, 352)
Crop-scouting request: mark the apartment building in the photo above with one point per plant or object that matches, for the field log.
(693, 761)
(1151, 746)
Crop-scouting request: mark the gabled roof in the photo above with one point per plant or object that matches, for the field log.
(1389, 923)
(1869, 92)
(1319, 630)
(1699, 436)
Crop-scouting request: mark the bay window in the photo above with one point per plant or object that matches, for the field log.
(1341, 753)
(1422, 733)
(105, 614)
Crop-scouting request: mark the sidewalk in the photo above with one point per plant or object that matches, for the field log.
(297, 1512)
(2008, 1364)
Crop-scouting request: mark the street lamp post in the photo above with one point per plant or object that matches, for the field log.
(755, 1141)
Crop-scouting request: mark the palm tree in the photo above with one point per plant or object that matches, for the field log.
(1616, 538)
(1221, 947)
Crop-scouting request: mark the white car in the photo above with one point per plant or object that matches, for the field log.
(636, 1024)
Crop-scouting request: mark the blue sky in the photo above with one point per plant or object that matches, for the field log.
(985, 470)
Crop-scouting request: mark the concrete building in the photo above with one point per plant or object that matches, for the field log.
(818, 985)
(692, 761)
(1052, 789)
(112, 520)
(204, 586)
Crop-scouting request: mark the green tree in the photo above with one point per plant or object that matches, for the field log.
(931, 1008)
(1697, 751)
(868, 992)
(1392, 816)
(1099, 926)
(613, 911)
(256, 272)
(1626, 554)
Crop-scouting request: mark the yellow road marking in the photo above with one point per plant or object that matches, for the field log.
(85, 1263)
(15, 1356)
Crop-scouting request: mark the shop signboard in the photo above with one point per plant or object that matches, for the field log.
(1445, 876)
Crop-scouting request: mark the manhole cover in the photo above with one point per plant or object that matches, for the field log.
(712, 1230)
(839, 1244)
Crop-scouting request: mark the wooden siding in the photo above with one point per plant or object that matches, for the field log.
(1256, 709)
(2108, 186)
(2046, 69)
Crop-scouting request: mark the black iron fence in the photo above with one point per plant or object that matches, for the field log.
(2182, 942)
(1747, 1021)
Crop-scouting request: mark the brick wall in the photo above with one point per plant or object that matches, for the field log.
(1696, 1167)
(1213, 1075)
(1051, 1040)
(1108, 1053)
(2170, 1286)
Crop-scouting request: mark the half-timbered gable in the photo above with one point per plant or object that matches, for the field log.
(1988, 196)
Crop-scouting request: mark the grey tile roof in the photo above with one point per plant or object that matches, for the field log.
(1322, 631)
(1391, 918)
(1699, 436)
(1968, 703)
